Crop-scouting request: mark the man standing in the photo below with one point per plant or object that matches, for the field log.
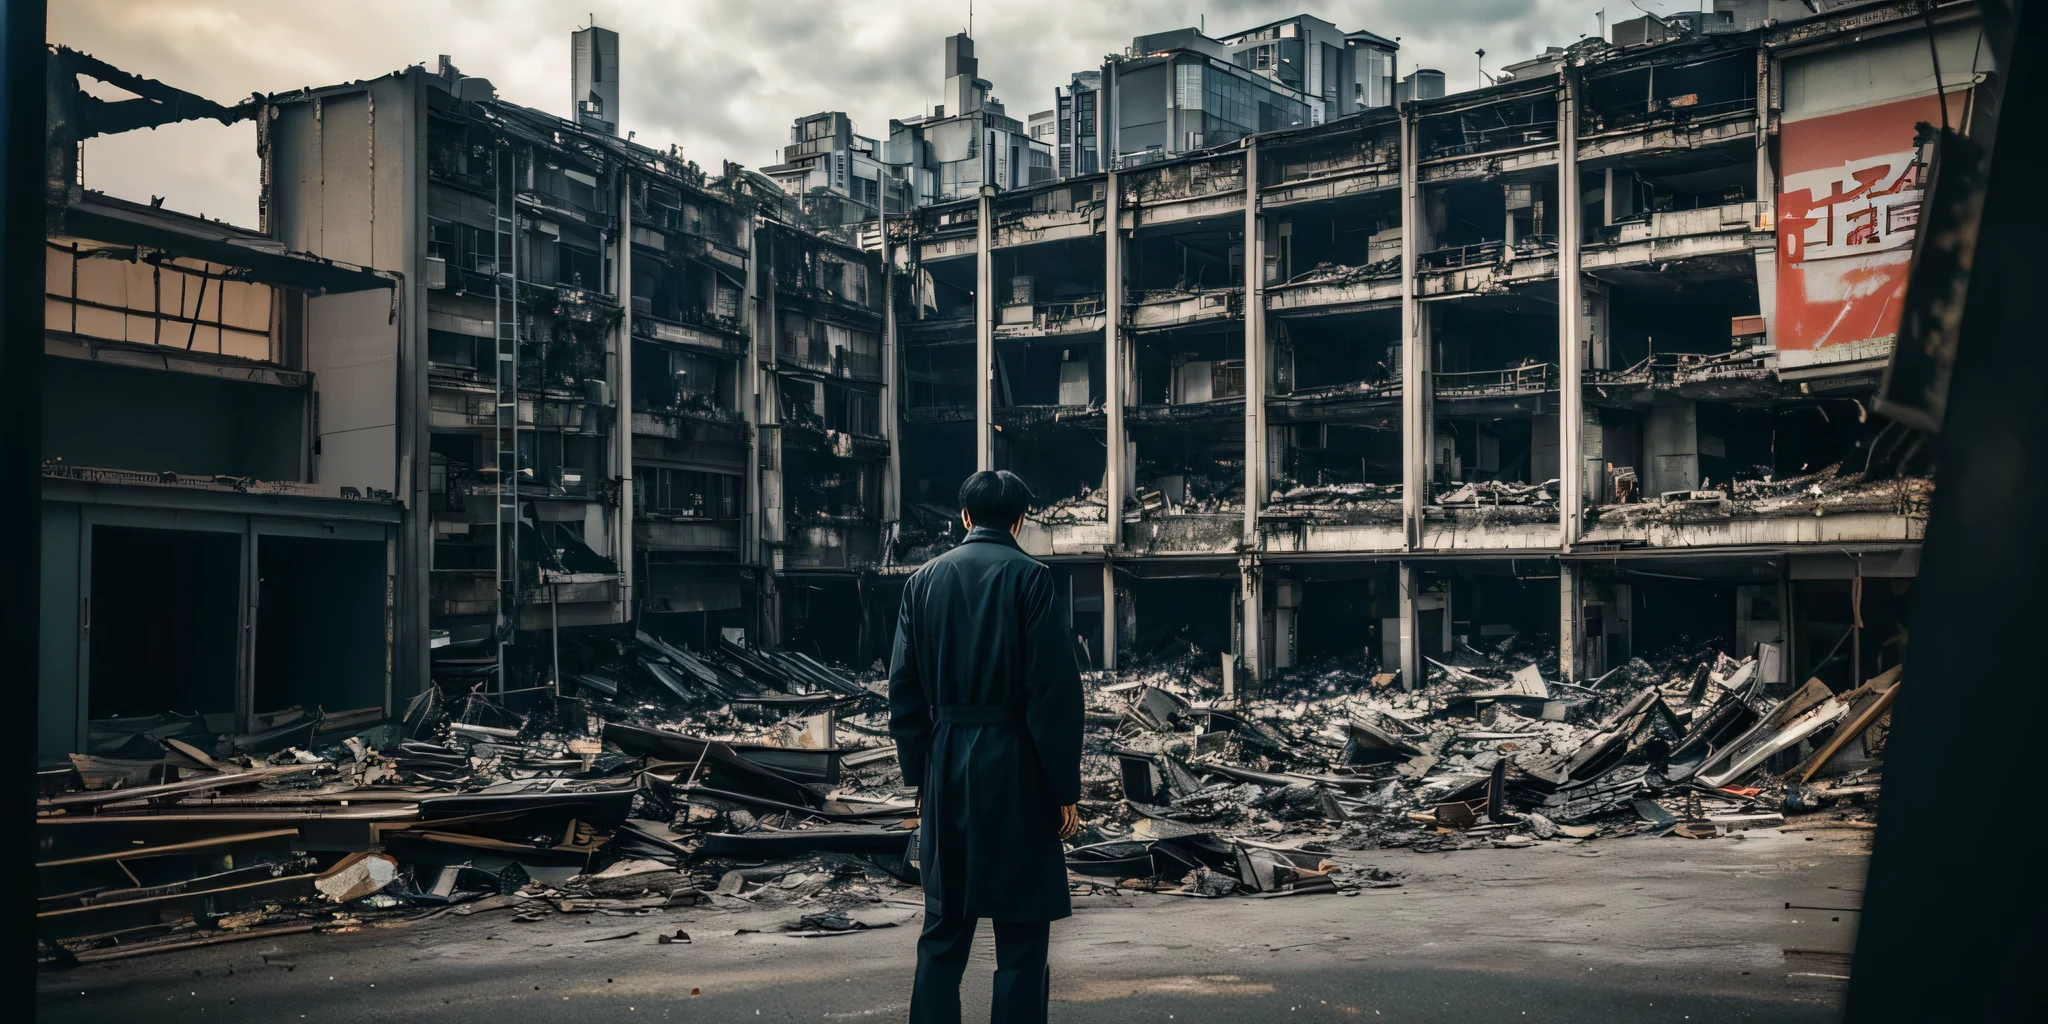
(985, 708)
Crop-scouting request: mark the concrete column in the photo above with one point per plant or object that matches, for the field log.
(771, 417)
(984, 333)
(1286, 611)
(770, 444)
(1507, 228)
(1251, 615)
(747, 382)
(1768, 73)
(1109, 616)
(1412, 674)
(892, 425)
(1607, 198)
(1415, 379)
(1571, 621)
(622, 389)
(1571, 498)
(1254, 351)
(1114, 485)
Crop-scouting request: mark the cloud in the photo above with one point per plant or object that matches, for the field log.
(722, 78)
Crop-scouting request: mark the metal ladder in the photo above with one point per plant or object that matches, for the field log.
(505, 304)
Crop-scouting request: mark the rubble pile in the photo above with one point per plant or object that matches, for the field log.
(1340, 502)
(1490, 752)
(1833, 490)
(1327, 272)
(737, 778)
(603, 798)
(1090, 507)
(1488, 493)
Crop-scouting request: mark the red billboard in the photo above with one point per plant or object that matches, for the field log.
(1848, 206)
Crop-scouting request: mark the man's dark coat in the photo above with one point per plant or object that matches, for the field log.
(985, 707)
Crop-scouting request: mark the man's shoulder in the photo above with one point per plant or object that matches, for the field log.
(980, 551)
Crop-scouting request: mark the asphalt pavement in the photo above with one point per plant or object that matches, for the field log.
(1629, 929)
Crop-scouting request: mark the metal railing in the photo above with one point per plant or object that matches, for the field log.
(1528, 377)
(1453, 257)
(839, 362)
(1632, 115)
(857, 365)
(1054, 314)
(1486, 140)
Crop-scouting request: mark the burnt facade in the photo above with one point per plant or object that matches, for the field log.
(1585, 355)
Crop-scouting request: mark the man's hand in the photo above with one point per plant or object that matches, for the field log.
(1070, 821)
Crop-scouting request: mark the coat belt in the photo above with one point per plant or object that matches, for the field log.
(976, 714)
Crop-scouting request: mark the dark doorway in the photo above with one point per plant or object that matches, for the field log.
(162, 620)
(319, 623)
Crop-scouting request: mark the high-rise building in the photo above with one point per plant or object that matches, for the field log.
(1074, 106)
(968, 141)
(1339, 72)
(836, 173)
(1180, 91)
(594, 78)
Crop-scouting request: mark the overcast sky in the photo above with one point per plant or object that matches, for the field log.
(723, 78)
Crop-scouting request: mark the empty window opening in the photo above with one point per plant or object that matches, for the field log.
(163, 621)
(319, 623)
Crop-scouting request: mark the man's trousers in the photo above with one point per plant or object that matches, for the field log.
(1021, 984)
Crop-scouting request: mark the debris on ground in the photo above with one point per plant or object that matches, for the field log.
(729, 778)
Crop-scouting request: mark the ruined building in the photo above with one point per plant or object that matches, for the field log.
(1581, 360)
(1584, 356)
(485, 383)
(223, 493)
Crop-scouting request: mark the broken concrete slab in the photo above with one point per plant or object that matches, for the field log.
(356, 876)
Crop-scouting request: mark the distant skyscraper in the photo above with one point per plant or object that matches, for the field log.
(594, 78)
(967, 142)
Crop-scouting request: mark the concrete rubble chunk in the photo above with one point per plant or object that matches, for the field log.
(356, 876)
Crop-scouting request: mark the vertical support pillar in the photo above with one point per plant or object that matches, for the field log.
(1114, 484)
(1767, 71)
(622, 393)
(1251, 615)
(892, 477)
(1786, 621)
(1571, 621)
(1286, 622)
(1856, 626)
(1507, 227)
(1412, 674)
(984, 332)
(1571, 461)
(1415, 379)
(1254, 351)
(747, 381)
(770, 444)
(1109, 612)
(1769, 79)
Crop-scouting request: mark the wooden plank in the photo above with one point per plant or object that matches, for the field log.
(94, 798)
(1849, 731)
(72, 921)
(144, 852)
(123, 952)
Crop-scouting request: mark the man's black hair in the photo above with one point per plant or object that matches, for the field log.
(995, 498)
